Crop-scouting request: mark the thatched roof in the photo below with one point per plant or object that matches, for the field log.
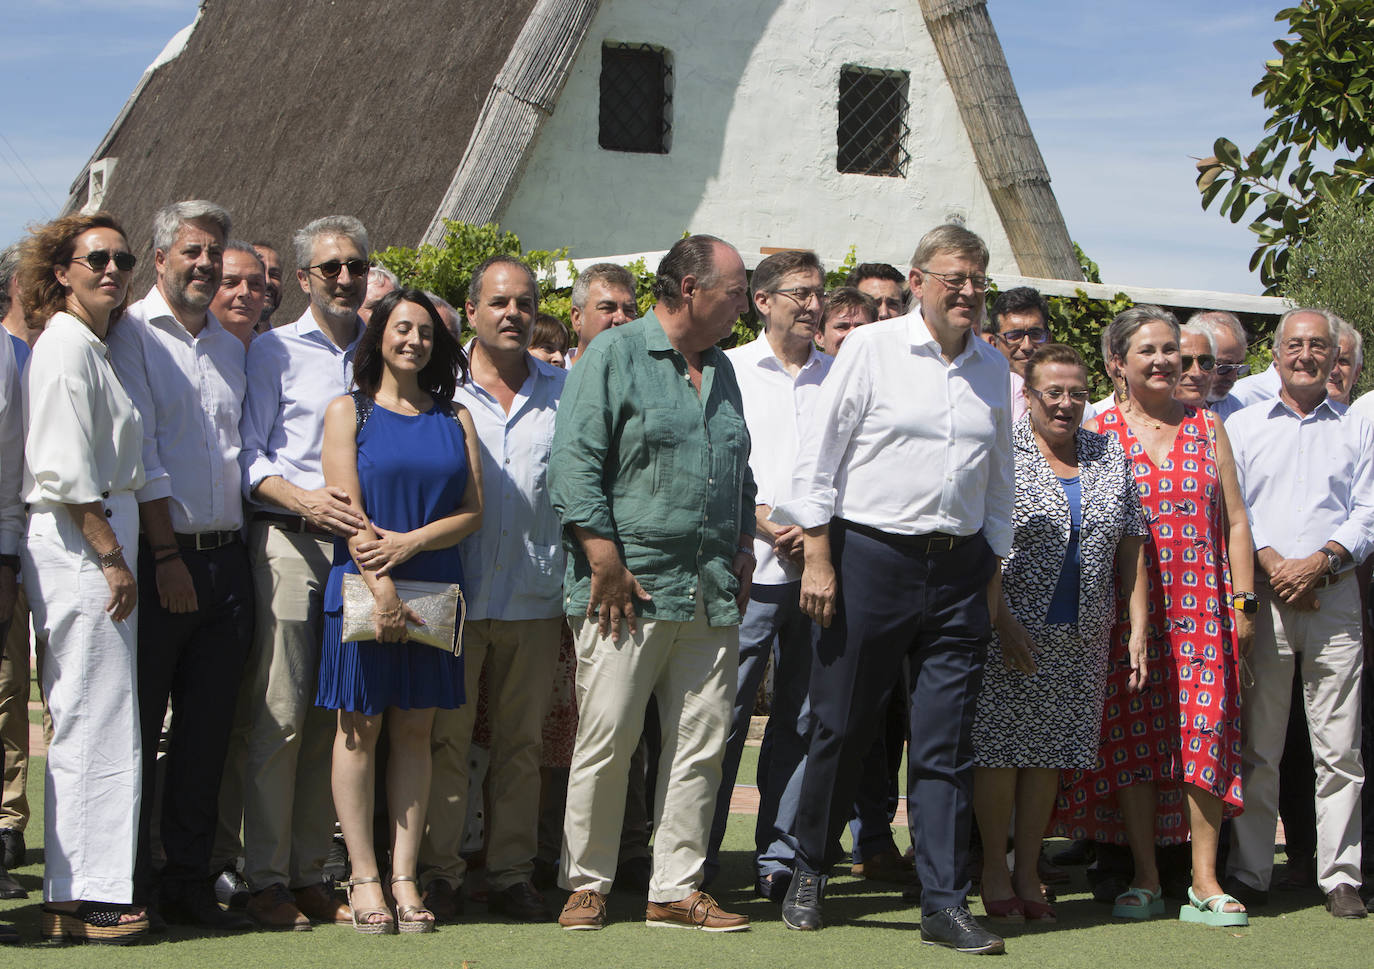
(284, 110)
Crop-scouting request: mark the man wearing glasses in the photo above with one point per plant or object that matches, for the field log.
(1018, 326)
(294, 371)
(779, 376)
(904, 484)
(1230, 340)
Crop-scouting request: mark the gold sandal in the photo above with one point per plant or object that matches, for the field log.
(406, 921)
(363, 921)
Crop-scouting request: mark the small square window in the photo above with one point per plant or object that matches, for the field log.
(871, 138)
(636, 98)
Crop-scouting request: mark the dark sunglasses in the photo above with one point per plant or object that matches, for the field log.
(1204, 360)
(331, 268)
(98, 259)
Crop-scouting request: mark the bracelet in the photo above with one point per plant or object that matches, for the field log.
(114, 556)
(165, 548)
(168, 558)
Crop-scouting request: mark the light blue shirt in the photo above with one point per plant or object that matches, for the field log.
(189, 392)
(1255, 388)
(514, 563)
(1306, 480)
(294, 371)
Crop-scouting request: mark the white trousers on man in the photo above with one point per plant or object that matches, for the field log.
(93, 778)
(690, 668)
(1328, 644)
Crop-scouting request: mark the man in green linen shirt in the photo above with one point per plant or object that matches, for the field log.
(650, 475)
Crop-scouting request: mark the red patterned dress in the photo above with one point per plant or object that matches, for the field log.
(1184, 727)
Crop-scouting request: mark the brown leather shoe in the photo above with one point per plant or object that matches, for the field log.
(274, 909)
(886, 866)
(1344, 903)
(584, 910)
(320, 905)
(697, 911)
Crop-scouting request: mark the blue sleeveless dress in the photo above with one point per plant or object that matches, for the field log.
(413, 470)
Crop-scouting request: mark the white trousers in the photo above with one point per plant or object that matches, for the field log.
(690, 667)
(93, 777)
(1328, 643)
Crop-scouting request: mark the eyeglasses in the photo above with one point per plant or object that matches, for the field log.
(331, 268)
(1204, 360)
(1056, 395)
(957, 281)
(98, 259)
(802, 294)
(1035, 333)
(1227, 369)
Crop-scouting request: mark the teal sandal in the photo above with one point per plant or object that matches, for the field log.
(1147, 904)
(1212, 911)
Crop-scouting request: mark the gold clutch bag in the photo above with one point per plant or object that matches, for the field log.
(439, 604)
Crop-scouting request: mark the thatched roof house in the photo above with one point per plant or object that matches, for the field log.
(603, 125)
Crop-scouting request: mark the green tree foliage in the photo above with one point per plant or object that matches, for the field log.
(1332, 267)
(1320, 91)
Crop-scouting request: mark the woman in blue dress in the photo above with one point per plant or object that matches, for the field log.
(407, 455)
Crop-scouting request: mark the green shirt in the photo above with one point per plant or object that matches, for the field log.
(640, 458)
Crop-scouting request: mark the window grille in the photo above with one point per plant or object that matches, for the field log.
(636, 98)
(872, 132)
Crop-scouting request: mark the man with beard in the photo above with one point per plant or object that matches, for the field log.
(184, 372)
(293, 373)
(242, 294)
(271, 262)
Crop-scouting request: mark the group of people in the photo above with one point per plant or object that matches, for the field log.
(317, 564)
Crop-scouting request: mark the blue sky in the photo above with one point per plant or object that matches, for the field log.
(1121, 97)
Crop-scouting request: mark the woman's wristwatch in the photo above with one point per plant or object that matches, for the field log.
(1246, 602)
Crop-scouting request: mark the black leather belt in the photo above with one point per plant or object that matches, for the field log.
(926, 543)
(1329, 580)
(207, 541)
(291, 523)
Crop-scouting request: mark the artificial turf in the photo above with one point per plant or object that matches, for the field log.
(870, 928)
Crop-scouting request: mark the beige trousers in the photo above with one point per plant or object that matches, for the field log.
(521, 658)
(287, 741)
(690, 667)
(14, 716)
(1328, 643)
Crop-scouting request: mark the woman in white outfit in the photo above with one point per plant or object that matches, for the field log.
(82, 463)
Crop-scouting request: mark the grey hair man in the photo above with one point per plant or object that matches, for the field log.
(380, 281)
(1306, 468)
(184, 372)
(603, 296)
(1345, 370)
(1198, 349)
(294, 371)
(1231, 343)
(451, 317)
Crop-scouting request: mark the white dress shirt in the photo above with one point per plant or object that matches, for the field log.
(294, 371)
(777, 408)
(907, 442)
(1363, 406)
(1264, 385)
(84, 438)
(189, 392)
(1306, 480)
(11, 451)
(513, 565)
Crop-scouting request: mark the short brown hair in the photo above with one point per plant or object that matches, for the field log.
(548, 330)
(844, 298)
(52, 245)
(770, 271)
(1053, 353)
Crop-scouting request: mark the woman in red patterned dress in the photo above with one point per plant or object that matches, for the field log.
(1171, 752)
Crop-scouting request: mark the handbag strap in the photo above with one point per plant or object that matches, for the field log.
(362, 408)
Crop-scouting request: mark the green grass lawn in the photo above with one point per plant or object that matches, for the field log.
(870, 927)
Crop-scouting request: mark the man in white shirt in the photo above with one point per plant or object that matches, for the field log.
(514, 566)
(1348, 362)
(904, 486)
(185, 373)
(1307, 473)
(603, 296)
(779, 375)
(294, 371)
(1018, 325)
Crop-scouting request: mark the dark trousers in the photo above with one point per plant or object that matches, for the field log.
(196, 660)
(898, 602)
(1298, 781)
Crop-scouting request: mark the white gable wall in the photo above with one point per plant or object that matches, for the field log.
(755, 91)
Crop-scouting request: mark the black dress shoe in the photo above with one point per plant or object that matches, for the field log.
(193, 903)
(232, 891)
(12, 840)
(1251, 898)
(1080, 852)
(957, 929)
(772, 887)
(1345, 903)
(801, 906)
(445, 901)
(520, 902)
(9, 888)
